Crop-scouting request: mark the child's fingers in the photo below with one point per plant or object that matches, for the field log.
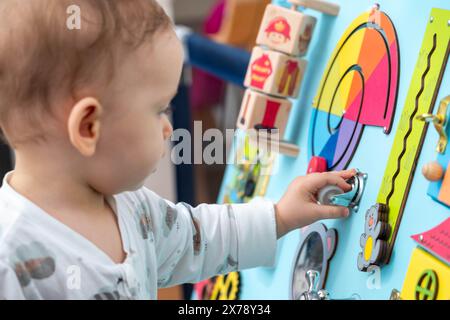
(332, 212)
(343, 175)
(346, 174)
(321, 180)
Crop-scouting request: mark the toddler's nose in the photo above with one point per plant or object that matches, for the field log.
(167, 129)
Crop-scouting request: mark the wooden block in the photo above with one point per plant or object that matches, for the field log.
(259, 111)
(318, 5)
(285, 30)
(275, 73)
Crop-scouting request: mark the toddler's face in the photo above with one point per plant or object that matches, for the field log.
(134, 132)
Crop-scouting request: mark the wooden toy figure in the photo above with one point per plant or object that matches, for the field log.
(373, 241)
(275, 70)
(288, 82)
(260, 70)
(286, 30)
(275, 73)
(278, 32)
(305, 39)
(259, 111)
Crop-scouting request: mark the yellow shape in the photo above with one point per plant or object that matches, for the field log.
(368, 248)
(226, 287)
(426, 277)
(343, 57)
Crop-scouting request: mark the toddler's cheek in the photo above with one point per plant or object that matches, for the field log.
(153, 160)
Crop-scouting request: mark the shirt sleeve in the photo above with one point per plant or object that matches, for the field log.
(10, 288)
(193, 244)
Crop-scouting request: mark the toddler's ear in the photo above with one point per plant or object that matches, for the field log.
(83, 125)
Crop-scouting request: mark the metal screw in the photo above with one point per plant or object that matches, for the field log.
(421, 237)
(431, 19)
(448, 23)
(395, 295)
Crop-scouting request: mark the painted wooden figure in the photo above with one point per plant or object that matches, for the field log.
(259, 111)
(275, 73)
(286, 30)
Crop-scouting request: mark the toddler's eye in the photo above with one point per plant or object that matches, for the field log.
(167, 111)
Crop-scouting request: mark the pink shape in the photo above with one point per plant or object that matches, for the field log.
(214, 20)
(352, 111)
(379, 103)
(436, 241)
(200, 287)
(394, 87)
(374, 99)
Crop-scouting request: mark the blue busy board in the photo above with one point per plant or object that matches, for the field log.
(372, 145)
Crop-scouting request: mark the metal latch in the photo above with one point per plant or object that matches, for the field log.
(440, 122)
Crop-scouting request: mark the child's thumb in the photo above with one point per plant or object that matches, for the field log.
(332, 212)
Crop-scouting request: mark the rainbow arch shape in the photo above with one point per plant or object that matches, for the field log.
(359, 87)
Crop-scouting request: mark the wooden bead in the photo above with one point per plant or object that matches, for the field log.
(433, 171)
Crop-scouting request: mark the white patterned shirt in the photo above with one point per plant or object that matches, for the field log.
(166, 244)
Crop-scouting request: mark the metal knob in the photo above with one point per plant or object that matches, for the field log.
(313, 278)
(333, 195)
(313, 293)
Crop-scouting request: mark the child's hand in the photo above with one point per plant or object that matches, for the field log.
(298, 207)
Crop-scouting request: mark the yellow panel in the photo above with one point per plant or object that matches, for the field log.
(425, 82)
(426, 277)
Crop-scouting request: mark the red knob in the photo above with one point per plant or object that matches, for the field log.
(317, 164)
